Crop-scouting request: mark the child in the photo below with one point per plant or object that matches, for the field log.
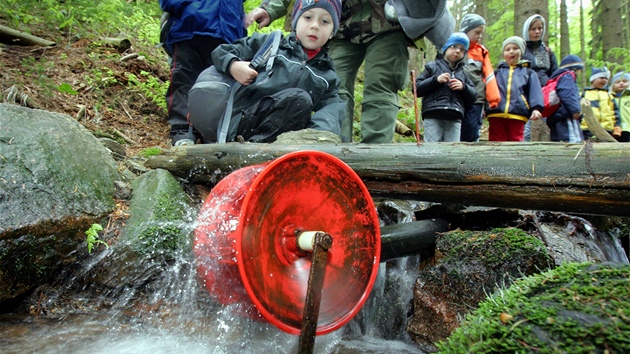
(302, 79)
(602, 103)
(479, 70)
(620, 90)
(521, 100)
(565, 122)
(446, 92)
(542, 59)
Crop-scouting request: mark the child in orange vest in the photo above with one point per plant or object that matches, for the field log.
(479, 70)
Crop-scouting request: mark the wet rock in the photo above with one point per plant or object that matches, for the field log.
(160, 223)
(392, 212)
(469, 266)
(575, 239)
(56, 180)
(117, 150)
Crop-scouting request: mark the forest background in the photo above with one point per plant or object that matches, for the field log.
(596, 30)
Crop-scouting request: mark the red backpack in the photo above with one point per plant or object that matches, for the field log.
(552, 101)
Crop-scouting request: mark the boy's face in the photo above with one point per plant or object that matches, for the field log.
(535, 30)
(600, 82)
(512, 54)
(475, 34)
(454, 53)
(620, 85)
(314, 28)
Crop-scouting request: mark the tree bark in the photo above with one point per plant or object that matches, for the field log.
(589, 178)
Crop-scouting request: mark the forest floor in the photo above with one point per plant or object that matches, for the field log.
(88, 81)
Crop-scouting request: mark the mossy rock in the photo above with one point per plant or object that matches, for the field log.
(476, 262)
(575, 308)
(469, 266)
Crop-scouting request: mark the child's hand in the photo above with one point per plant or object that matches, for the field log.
(535, 115)
(577, 116)
(616, 132)
(242, 73)
(444, 78)
(455, 84)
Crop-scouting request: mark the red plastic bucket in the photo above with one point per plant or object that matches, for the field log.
(245, 243)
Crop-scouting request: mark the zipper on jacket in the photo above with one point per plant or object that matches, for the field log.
(508, 93)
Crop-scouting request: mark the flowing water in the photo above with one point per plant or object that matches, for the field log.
(176, 315)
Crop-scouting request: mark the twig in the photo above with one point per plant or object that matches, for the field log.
(125, 138)
(580, 151)
(129, 56)
(126, 111)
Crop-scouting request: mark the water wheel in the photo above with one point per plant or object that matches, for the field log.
(247, 248)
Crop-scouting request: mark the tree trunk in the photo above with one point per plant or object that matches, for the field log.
(524, 9)
(612, 29)
(591, 178)
(565, 46)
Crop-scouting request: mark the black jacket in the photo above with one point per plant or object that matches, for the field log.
(438, 97)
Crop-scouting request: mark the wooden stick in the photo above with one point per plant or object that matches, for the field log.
(415, 105)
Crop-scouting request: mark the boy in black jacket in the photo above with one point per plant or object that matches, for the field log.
(446, 91)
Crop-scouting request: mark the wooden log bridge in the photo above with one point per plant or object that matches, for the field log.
(587, 178)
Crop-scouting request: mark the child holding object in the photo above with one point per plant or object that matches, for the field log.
(521, 94)
(446, 92)
(299, 91)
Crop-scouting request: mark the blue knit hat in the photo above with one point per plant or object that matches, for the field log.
(596, 73)
(457, 38)
(332, 6)
(621, 75)
(572, 62)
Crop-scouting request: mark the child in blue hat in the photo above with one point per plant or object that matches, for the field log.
(446, 91)
(602, 103)
(564, 123)
(619, 89)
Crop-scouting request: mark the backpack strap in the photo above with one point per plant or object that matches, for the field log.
(268, 51)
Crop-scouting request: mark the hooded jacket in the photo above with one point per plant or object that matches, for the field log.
(520, 90)
(438, 97)
(543, 59)
(291, 69)
(221, 19)
(479, 69)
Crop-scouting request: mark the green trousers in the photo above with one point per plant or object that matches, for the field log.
(386, 73)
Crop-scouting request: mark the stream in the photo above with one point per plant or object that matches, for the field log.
(178, 316)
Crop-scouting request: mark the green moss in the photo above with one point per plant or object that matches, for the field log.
(492, 248)
(167, 234)
(575, 308)
(150, 151)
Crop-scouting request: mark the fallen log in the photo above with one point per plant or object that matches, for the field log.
(588, 178)
(12, 36)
